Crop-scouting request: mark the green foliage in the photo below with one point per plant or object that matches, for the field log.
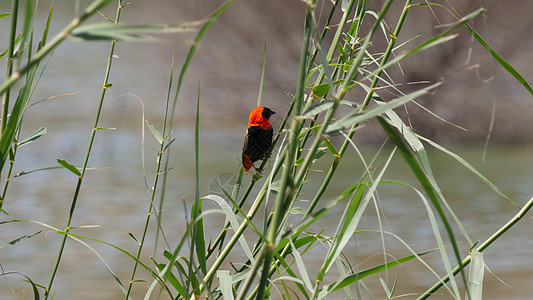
(124, 32)
(20, 239)
(68, 166)
(278, 244)
(37, 134)
(475, 281)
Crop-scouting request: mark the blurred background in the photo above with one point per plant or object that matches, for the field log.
(226, 71)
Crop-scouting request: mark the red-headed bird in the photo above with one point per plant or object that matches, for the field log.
(258, 138)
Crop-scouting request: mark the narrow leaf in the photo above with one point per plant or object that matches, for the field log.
(133, 236)
(500, 60)
(33, 284)
(231, 217)
(354, 117)
(199, 239)
(226, 284)
(433, 41)
(13, 123)
(475, 281)
(385, 287)
(352, 217)
(297, 210)
(331, 148)
(127, 32)
(46, 28)
(321, 90)
(37, 134)
(297, 243)
(155, 132)
(301, 267)
(374, 270)
(18, 240)
(261, 81)
(69, 167)
(429, 188)
(314, 110)
(4, 53)
(469, 167)
(318, 155)
(171, 278)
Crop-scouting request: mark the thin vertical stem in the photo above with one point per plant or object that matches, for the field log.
(9, 63)
(287, 183)
(9, 71)
(86, 160)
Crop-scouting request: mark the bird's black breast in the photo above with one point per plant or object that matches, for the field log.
(258, 142)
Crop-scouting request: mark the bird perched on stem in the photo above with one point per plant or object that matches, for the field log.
(258, 138)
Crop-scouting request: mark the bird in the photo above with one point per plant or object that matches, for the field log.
(257, 138)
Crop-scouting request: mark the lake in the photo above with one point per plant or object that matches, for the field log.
(116, 200)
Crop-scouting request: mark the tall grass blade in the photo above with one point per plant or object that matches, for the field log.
(15, 119)
(155, 132)
(319, 107)
(197, 233)
(261, 81)
(18, 240)
(9, 65)
(165, 124)
(469, 167)
(422, 177)
(230, 216)
(171, 278)
(33, 284)
(301, 267)
(500, 59)
(69, 167)
(415, 143)
(351, 279)
(46, 29)
(355, 210)
(226, 284)
(127, 32)
(355, 117)
(27, 35)
(34, 136)
(440, 242)
(475, 280)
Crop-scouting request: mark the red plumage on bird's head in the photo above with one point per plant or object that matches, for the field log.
(259, 117)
